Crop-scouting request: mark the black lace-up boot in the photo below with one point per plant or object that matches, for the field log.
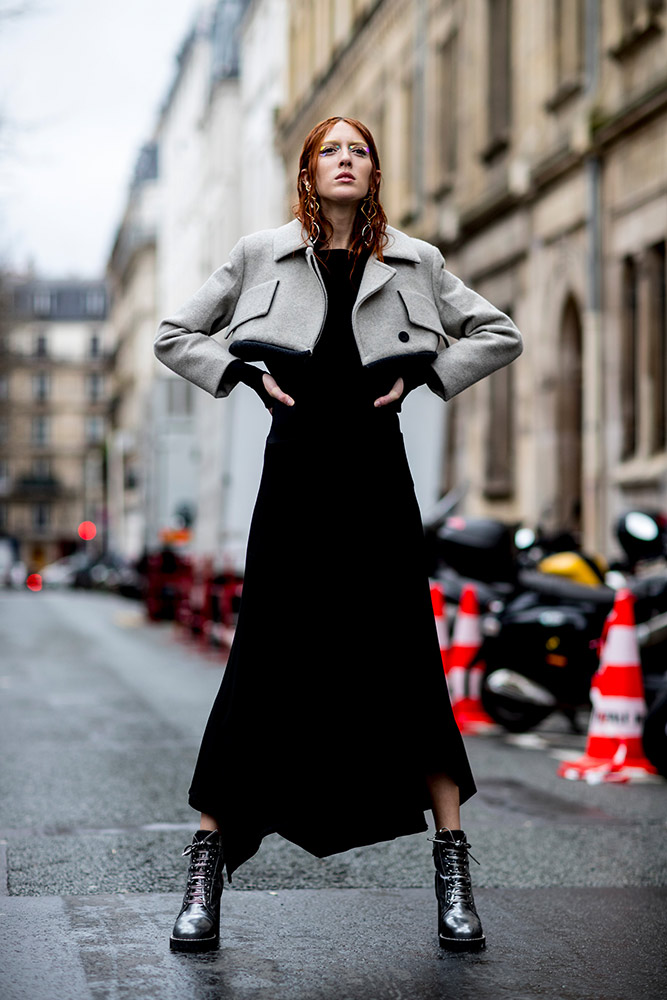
(459, 926)
(197, 926)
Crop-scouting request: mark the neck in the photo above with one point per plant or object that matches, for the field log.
(341, 218)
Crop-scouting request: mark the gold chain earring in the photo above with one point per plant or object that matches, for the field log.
(369, 211)
(312, 208)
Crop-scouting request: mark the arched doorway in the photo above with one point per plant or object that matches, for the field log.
(569, 420)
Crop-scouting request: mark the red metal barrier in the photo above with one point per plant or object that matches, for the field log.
(188, 591)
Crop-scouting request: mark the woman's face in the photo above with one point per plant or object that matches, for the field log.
(344, 166)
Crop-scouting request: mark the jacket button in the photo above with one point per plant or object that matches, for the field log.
(403, 336)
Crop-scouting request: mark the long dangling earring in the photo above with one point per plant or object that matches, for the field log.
(369, 211)
(312, 208)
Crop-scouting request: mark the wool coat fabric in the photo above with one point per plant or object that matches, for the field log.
(269, 300)
(333, 707)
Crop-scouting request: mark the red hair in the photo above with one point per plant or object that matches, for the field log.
(377, 238)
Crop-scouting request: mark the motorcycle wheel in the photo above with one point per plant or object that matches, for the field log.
(513, 715)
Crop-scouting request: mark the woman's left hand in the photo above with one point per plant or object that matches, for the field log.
(394, 394)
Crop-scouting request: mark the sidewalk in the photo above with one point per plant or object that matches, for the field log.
(338, 944)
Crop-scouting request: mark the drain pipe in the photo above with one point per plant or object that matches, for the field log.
(593, 445)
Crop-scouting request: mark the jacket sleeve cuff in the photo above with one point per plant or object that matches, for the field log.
(241, 371)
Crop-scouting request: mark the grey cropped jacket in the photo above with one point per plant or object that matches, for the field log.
(269, 299)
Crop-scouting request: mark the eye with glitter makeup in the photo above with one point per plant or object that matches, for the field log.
(356, 149)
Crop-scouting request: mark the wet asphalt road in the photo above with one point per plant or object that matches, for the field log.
(101, 715)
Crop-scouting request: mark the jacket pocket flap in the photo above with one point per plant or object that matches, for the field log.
(254, 302)
(421, 311)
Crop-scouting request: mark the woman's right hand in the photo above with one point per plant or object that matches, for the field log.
(275, 391)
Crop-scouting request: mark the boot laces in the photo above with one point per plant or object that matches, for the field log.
(457, 877)
(454, 856)
(199, 872)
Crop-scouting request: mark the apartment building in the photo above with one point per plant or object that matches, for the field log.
(55, 362)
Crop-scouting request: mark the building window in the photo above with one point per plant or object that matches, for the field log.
(40, 430)
(4, 515)
(41, 303)
(4, 475)
(4, 430)
(656, 368)
(95, 302)
(131, 477)
(569, 27)
(644, 354)
(41, 516)
(446, 103)
(499, 86)
(4, 386)
(409, 151)
(40, 468)
(569, 41)
(94, 345)
(40, 387)
(179, 398)
(41, 345)
(94, 430)
(94, 387)
(499, 478)
(629, 359)
(569, 426)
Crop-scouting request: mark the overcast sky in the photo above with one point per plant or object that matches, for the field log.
(81, 83)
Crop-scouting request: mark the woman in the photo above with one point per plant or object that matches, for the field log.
(333, 725)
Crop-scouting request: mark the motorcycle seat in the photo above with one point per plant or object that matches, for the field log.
(556, 586)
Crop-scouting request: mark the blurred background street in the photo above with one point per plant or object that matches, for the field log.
(101, 718)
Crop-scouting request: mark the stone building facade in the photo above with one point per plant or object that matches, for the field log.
(529, 142)
(55, 361)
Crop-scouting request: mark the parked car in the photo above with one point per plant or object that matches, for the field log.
(62, 572)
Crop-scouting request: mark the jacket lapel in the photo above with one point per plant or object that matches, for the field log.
(378, 273)
(375, 276)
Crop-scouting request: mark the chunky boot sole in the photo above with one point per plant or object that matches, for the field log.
(463, 944)
(194, 944)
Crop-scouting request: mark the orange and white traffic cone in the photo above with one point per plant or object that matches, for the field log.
(465, 671)
(440, 615)
(614, 750)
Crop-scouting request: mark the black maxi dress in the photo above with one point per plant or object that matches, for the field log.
(333, 706)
